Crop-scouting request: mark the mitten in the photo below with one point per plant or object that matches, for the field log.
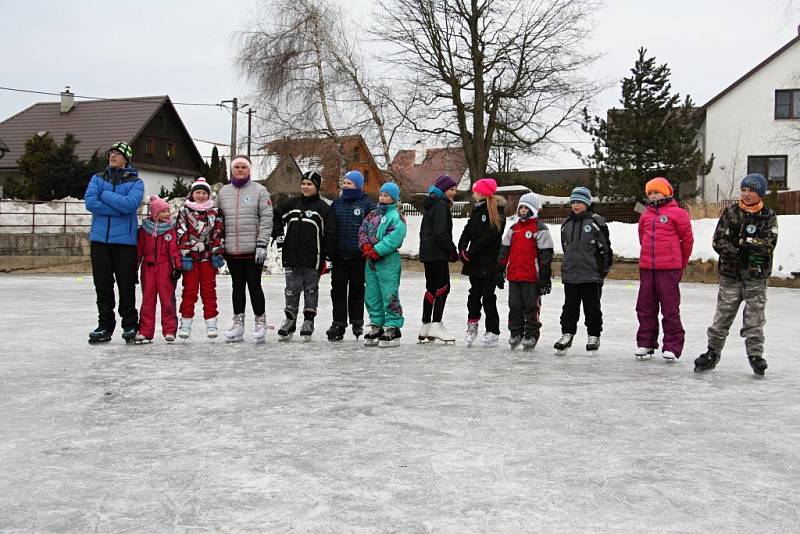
(187, 263)
(217, 261)
(500, 278)
(544, 286)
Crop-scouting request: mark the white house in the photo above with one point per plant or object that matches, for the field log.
(750, 127)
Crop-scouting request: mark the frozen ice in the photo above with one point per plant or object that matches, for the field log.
(319, 437)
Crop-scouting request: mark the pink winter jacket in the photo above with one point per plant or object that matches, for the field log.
(665, 236)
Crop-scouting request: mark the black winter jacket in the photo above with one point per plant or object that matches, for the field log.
(436, 230)
(308, 227)
(587, 249)
(481, 239)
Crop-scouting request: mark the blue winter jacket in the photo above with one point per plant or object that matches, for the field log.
(113, 198)
(349, 210)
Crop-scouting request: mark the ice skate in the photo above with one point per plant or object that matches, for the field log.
(472, 333)
(563, 343)
(422, 337)
(260, 328)
(99, 335)
(235, 333)
(390, 338)
(669, 356)
(529, 343)
(514, 341)
(643, 353)
(437, 332)
(706, 361)
(286, 331)
(592, 344)
(185, 329)
(372, 338)
(489, 340)
(335, 332)
(758, 364)
(358, 330)
(307, 330)
(169, 338)
(211, 328)
(141, 340)
(129, 335)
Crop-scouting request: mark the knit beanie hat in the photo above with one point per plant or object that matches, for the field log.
(123, 148)
(356, 177)
(200, 183)
(157, 205)
(444, 182)
(659, 185)
(581, 194)
(391, 189)
(243, 160)
(756, 182)
(313, 176)
(530, 201)
(485, 187)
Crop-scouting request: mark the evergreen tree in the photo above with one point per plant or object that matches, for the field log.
(179, 189)
(214, 174)
(48, 170)
(223, 171)
(652, 135)
(163, 192)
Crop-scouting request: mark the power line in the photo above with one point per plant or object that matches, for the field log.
(144, 99)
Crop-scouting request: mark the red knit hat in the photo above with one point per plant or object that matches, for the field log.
(659, 185)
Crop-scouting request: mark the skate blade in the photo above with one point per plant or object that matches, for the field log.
(591, 353)
(423, 340)
(305, 339)
(234, 339)
(285, 338)
(388, 344)
(643, 357)
(370, 343)
(183, 336)
(560, 352)
(212, 336)
(98, 341)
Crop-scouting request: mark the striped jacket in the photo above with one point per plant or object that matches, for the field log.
(308, 228)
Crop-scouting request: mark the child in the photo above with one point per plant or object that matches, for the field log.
(479, 247)
(587, 260)
(308, 242)
(379, 237)
(745, 240)
(160, 262)
(347, 274)
(526, 256)
(665, 236)
(200, 241)
(436, 249)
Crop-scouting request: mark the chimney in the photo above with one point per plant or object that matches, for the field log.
(67, 100)
(419, 152)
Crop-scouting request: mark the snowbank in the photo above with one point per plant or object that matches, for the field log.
(625, 241)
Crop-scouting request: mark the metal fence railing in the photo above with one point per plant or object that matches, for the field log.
(54, 217)
(456, 209)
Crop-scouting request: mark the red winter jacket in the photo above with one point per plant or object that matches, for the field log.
(160, 248)
(526, 251)
(665, 236)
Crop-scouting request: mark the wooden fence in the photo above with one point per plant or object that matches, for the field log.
(610, 211)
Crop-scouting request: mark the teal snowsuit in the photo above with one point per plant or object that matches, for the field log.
(384, 228)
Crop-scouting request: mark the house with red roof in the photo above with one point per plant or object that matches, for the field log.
(416, 169)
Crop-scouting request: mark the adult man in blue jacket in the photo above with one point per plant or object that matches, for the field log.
(113, 197)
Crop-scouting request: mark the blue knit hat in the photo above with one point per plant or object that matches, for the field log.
(581, 194)
(356, 177)
(756, 182)
(391, 189)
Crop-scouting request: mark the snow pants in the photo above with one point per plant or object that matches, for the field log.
(157, 284)
(524, 304)
(246, 273)
(481, 294)
(305, 281)
(731, 294)
(660, 289)
(203, 279)
(112, 263)
(589, 294)
(437, 287)
(382, 292)
(347, 290)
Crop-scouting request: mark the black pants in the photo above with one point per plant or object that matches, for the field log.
(481, 292)
(437, 287)
(347, 290)
(589, 294)
(524, 304)
(246, 272)
(114, 263)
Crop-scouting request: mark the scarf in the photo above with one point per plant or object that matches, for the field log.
(352, 194)
(755, 208)
(660, 202)
(200, 206)
(435, 192)
(153, 228)
(240, 182)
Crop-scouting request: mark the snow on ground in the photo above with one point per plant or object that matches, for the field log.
(203, 436)
(625, 241)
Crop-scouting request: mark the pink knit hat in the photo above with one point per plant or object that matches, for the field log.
(157, 205)
(485, 187)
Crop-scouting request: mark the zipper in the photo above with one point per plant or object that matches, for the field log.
(108, 226)
(653, 238)
(238, 191)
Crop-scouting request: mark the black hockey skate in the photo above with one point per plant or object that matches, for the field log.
(307, 330)
(706, 361)
(372, 338)
(286, 331)
(758, 364)
(99, 335)
(358, 330)
(529, 342)
(563, 343)
(335, 332)
(129, 335)
(390, 338)
(592, 344)
(514, 341)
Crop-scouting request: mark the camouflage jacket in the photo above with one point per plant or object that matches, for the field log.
(746, 242)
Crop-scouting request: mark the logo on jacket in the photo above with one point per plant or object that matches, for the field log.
(246, 199)
(309, 213)
(587, 228)
(168, 237)
(357, 212)
(751, 229)
(483, 218)
(383, 219)
(528, 234)
(663, 219)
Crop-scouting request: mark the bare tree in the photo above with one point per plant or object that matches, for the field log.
(492, 69)
(734, 167)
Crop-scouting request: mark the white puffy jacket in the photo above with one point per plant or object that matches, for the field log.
(247, 212)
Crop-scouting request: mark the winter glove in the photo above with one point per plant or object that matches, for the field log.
(216, 261)
(500, 277)
(544, 286)
(453, 256)
(325, 268)
(464, 256)
(176, 275)
(261, 252)
(368, 251)
(279, 241)
(187, 263)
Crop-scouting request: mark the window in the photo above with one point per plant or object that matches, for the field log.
(149, 147)
(366, 176)
(787, 104)
(170, 150)
(773, 168)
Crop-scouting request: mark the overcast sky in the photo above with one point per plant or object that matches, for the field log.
(185, 49)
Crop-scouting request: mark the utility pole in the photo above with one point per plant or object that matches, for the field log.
(249, 128)
(234, 113)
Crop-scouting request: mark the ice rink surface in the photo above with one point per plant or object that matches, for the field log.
(202, 436)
